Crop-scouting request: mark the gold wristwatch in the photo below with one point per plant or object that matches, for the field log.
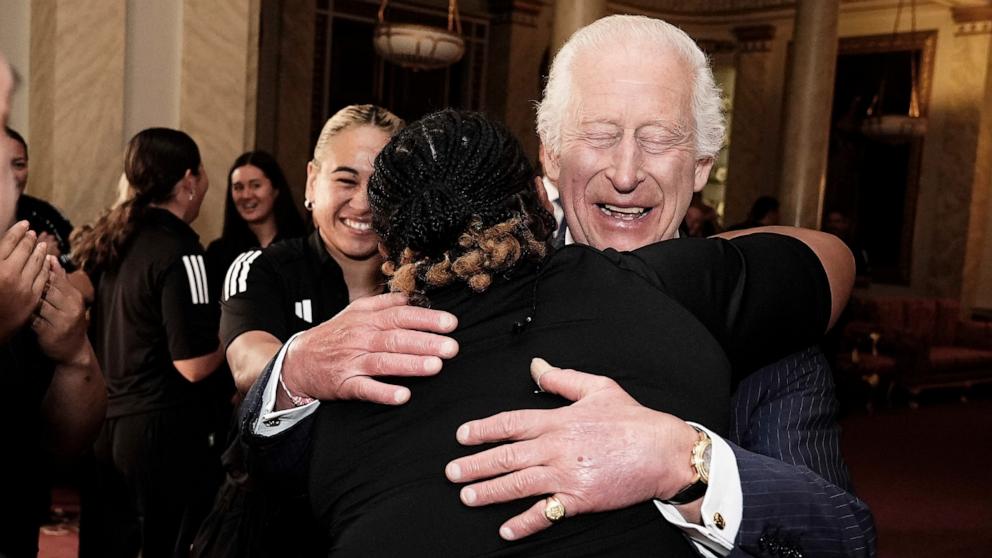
(702, 451)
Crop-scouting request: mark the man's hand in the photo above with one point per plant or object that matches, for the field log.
(603, 452)
(23, 275)
(61, 319)
(374, 336)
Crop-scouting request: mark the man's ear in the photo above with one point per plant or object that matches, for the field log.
(542, 195)
(703, 168)
(382, 251)
(549, 161)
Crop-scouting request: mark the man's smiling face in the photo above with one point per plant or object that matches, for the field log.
(628, 165)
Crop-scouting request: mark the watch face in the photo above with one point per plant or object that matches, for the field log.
(704, 467)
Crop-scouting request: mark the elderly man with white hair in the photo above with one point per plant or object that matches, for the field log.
(629, 125)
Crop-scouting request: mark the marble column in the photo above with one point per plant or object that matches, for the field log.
(974, 31)
(572, 15)
(518, 43)
(217, 107)
(753, 153)
(75, 106)
(807, 113)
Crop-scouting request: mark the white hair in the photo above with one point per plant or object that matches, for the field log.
(606, 34)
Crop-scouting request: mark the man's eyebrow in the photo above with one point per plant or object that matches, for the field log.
(345, 169)
(586, 121)
(677, 128)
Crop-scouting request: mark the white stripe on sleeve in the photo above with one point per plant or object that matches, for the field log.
(232, 273)
(245, 268)
(192, 280)
(204, 280)
(199, 280)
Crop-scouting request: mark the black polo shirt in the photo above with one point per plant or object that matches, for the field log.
(151, 309)
(286, 288)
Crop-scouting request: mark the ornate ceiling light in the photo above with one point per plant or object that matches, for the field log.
(420, 47)
(897, 128)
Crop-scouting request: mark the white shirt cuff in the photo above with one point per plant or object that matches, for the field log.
(271, 422)
(723, 504)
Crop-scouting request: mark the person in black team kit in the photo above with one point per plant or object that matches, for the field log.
(258, 211)
(464, 228)
(271, 294)
(52, 387)
(268, 295)
(52, 227)
(155, 331)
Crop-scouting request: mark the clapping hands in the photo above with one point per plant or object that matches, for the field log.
(60, 321)
(23, 276)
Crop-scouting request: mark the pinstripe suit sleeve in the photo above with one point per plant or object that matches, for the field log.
(796, 488)
(282, 456)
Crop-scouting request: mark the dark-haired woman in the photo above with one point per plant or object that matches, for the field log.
(154, 328)
(462, 228)
(258, 211)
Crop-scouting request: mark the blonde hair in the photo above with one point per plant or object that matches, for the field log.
(351, 116)
(607, 34)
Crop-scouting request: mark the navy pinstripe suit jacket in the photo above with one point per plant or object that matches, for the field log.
(797, 496)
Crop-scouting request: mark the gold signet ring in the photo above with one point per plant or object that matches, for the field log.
(554, 510)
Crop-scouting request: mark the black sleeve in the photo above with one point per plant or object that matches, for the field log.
(218, 260)
(762, 295)
(252, 298)
(189, 314)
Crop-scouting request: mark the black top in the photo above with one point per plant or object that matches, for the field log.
(25, 374)
(43, 217)
(221, 253)
(154, 307)
(661, 321)
(288, 287)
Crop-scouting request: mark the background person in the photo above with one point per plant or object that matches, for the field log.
(48, 371)
(763, 213)
(258, 211)
(54, 229)
(155, 331)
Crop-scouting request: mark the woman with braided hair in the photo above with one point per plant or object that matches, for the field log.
(464, 228)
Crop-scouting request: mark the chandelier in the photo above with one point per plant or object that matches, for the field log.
(897, 128)
(420, 47)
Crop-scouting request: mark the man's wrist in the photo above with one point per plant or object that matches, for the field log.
(683, 474)
(291, 366)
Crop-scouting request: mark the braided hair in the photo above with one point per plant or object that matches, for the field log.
(453, 199)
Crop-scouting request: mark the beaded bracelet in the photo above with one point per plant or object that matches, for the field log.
(298, 400)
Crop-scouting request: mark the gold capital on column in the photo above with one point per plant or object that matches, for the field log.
(807, 112)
